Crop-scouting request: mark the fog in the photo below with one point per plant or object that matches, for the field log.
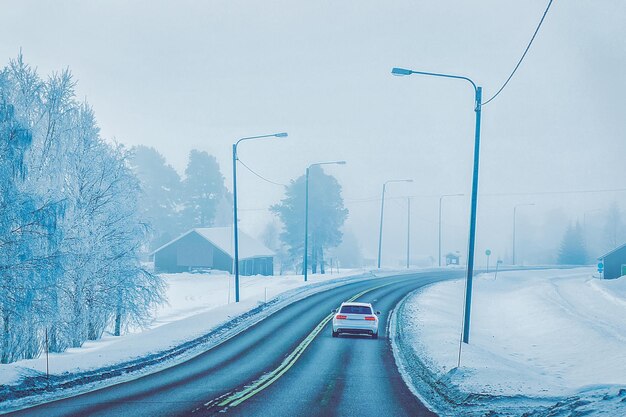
(191, 74)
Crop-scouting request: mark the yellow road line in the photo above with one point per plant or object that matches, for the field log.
(267, 380)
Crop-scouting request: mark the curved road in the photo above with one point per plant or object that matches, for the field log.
(286, 365)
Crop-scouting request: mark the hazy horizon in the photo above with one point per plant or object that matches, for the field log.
(200, 75)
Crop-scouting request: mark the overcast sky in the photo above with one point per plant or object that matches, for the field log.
(200, 74)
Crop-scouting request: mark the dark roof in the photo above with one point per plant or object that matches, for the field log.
(611, 252)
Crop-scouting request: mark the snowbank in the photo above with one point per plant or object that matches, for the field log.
(534, 334)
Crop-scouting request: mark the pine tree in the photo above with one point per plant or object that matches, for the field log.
(203, 189)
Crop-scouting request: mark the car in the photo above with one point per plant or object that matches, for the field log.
(355, 318)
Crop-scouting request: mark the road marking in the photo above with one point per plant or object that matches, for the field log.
(266, 380)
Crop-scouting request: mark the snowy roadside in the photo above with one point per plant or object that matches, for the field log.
(547, 342)
(200, 314)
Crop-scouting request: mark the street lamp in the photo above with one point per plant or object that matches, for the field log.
(441, 198)
(306, 214)
(514, 214)
(382, 211)
(478, 91)
(235, 232)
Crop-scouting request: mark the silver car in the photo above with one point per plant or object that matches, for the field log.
(355, 318)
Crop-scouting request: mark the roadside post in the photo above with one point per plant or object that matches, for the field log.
(488, 253)
(497, 265)
(47, 357)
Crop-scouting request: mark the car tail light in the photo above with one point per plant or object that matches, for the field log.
(340, 317)
(370, 318)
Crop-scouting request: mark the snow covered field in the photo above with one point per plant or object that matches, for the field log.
(197, 303)
(536, 334)
(538, 337)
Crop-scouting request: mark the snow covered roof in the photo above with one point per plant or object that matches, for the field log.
(222, 238)
(611, 252)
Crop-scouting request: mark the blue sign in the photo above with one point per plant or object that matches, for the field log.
(600, 267)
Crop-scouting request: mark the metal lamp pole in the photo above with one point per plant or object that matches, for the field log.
(235, 231)
(382, 211)
(478, 91)
(305, 267)
(514, 214)
(441, 198)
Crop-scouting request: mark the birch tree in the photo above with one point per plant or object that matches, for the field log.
(70, 227)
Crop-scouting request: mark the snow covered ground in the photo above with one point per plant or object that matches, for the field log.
(551, 335)
(197, 304)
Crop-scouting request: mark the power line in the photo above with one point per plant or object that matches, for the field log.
(613, 190)
(504, 194)
(523, 55)
(259, 175)
(389, 198)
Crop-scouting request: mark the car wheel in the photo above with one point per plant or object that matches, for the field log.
(335, 334)
(375, 336)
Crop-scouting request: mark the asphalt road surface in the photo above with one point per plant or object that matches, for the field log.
(286, 365)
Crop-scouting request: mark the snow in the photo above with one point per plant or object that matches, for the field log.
(197, 304)
(538, 338)
(535, 334)
(222, 238)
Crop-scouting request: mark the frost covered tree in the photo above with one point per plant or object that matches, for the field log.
(70, 228)
(326, 216)
(573, 251)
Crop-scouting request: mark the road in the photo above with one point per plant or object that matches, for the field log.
(306, 371)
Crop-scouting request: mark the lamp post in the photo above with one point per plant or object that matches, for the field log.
(235, 231)
(514, 214)
(382, 211)
(478, 91)
(305, 266)
(441, 198)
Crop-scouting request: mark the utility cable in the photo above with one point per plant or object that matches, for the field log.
(259, 175)
(523, 55)
(500, 194)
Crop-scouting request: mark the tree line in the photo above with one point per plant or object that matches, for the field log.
(173, 205)
(70, 228)
(581, 246)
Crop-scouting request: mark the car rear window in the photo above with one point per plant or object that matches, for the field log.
(356, 310)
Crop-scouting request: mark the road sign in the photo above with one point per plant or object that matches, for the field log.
(600, 267)
(488, 252)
